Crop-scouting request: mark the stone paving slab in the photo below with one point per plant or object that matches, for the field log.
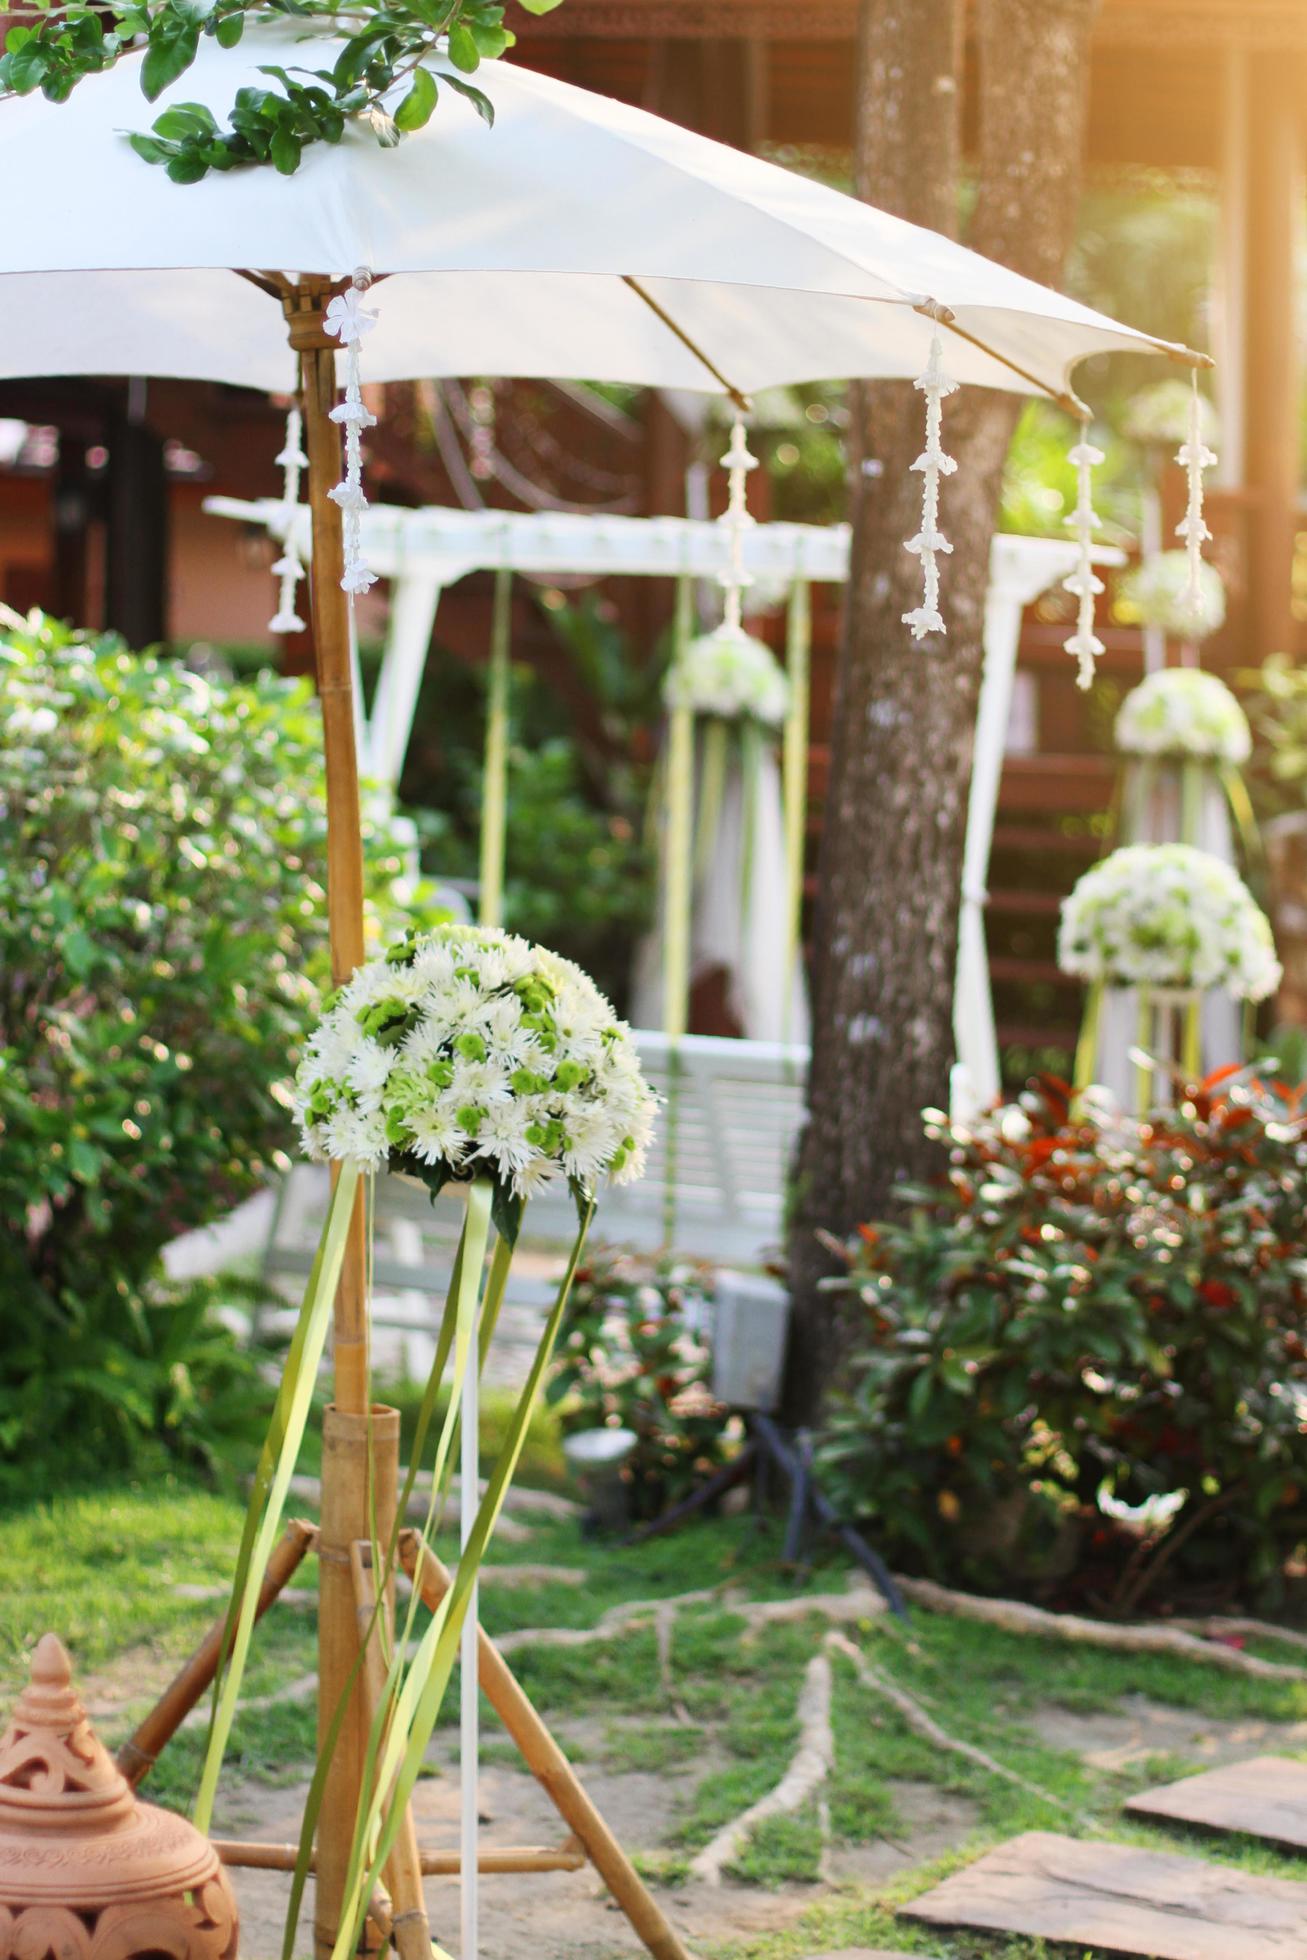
(1120, 1899)
(1265, 1797)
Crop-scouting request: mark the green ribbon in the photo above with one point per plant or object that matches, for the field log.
(276, 1466)
(1087, 1047)
(712, 790)
(678, 889)
(798, 647)
(417, 1703)
(750, 783)
(494, 791)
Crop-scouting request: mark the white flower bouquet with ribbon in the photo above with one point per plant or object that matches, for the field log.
(464, 1057)
(730, 675)
(468, 1054)
(1184, 713)
(1167, 916)
(1157, 592)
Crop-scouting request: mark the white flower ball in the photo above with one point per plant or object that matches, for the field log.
(1181, 711)
(729, 674)
(1157, 592)
(468, 1053)
(1167, 915)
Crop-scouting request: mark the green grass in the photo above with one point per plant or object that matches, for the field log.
(101, 1567)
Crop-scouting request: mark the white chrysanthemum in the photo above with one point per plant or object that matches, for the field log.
(1167, 915)
(730, 674)
(471, 1053)
(1156, 592)
(1182, 711)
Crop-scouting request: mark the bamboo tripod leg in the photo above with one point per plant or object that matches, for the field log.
(550, 1767)
(344, 1480)
(137, 1756)
(410, 1929)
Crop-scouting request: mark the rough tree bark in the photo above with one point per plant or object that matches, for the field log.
(895, 815)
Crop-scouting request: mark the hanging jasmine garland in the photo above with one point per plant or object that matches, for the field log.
(349, 322)
(1194, 457)
(933, 464)
(1084, 582)
(288, 568)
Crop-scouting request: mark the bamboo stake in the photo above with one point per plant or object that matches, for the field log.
(549, 1766)
(137, 1756)
(345, 1508)
(244, 1855)
(410, 1928)
(356, 1450)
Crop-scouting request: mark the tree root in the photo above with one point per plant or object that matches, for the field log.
(810, 1765)
(860, 1602)
(1221, 1626)
(925, 1725)
(1013, 1617)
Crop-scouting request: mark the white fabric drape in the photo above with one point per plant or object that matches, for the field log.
(1151, 814)
(746, 941)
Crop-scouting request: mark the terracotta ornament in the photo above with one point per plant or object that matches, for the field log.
(87, 1872)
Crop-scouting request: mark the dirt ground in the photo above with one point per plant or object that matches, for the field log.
(568, 1915)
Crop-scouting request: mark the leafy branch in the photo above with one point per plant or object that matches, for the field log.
(386, 45)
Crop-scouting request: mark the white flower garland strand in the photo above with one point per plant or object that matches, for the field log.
(1194, 457)
(1084, 582)
(737, 462)
(933, 464)
(288, 568)
(345, 317)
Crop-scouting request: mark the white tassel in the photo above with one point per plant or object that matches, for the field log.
(734, 581)
(288, 568)
(933, 464)
(345, 317)
(1194, 457)
(1084, 643)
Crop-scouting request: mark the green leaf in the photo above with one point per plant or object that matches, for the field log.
(172, 48)
(229, 29)
(485, 108)
(188, 168)
(463, 50)
(286, 151)
(539, 7)
(182, 120)
(152, 152)
(417, 107)
(25, 68)
(491, 41)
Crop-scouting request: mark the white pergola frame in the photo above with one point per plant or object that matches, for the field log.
(421, 552)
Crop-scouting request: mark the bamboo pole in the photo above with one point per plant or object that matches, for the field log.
(550, 1767)
(410, 1928)
(345, 1454)
(137, 1756)
(244, 1855)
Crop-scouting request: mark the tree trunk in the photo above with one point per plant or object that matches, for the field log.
(895, 815)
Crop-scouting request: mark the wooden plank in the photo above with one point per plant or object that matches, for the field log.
(1118, 1899)
(1265, 1797)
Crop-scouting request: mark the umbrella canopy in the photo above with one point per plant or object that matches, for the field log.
(579, 238)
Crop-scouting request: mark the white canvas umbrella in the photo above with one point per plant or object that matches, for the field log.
(577, 239)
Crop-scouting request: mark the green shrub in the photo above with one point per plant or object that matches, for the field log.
(1093, 1316)
(161, 926)
(632, 1355)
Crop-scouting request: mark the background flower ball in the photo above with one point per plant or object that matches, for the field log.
(1167, 915)
(729, 674)
(1180, 711)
